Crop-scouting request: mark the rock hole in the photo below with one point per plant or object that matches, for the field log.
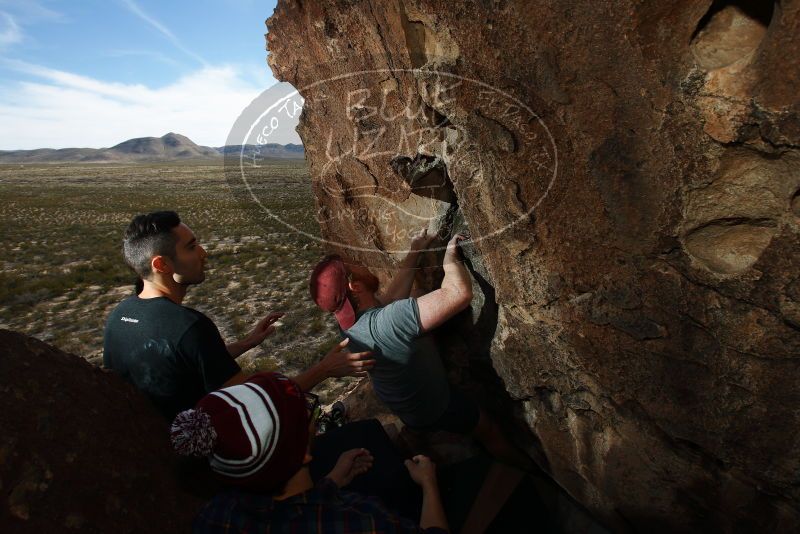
(730, 30)
(730, 246)
(796, 204)
(439, 120)
(424, 44)
(416, 35)
(330, 29)
(427, 176)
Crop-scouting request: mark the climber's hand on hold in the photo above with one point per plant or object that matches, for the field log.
(451, 254)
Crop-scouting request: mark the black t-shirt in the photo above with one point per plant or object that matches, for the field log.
(173, 354)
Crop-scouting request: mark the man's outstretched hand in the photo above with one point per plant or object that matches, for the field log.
(338, 362)
(341, 362)
(349, 465)
(263, 328)
(253, 339)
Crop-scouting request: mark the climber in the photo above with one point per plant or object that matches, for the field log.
(257, 438)
(408, 375)
(175, 354)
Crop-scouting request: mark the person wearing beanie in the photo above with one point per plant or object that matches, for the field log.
(257, 439)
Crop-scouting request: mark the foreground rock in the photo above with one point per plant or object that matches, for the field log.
(80, 450)
(631, 175)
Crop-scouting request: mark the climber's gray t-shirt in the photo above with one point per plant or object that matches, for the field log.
(408, 375)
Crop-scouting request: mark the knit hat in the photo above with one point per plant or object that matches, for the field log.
(254, 434)
(328, 286)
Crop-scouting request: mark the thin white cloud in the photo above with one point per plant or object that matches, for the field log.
(139, 12)
(15, 15)
(31, 10)
(68, 80)
(61, 109)
(10, 31)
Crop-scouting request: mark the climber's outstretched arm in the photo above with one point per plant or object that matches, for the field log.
(400, 286)
(455, 294)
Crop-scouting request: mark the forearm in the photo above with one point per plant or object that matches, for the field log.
(311, 377)
(400, 286)
(453, 297)
(237, 348)
(432, 510)
(456, 277)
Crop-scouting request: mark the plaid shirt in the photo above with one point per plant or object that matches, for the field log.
(322, 509)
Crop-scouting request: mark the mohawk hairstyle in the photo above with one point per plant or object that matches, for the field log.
(149, 235)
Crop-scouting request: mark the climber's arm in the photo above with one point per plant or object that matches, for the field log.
(337, 362)
(400, 286)
(455, 294)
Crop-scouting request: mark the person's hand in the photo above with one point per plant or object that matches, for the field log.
(341, 362)
(349, 465)
(421, 240)
(451, 253)
(262, 329)
(422, 471)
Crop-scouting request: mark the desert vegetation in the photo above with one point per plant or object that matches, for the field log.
(61, 268)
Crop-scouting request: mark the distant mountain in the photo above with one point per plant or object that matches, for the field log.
(171, 147)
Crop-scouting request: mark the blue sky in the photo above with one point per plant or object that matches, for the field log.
(93, 73)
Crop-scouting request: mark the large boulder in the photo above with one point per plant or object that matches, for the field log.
(629, 172)
(81, 450)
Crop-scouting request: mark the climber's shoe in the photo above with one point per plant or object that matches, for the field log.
(338, 414)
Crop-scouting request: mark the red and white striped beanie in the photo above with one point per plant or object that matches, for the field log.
(254, 434)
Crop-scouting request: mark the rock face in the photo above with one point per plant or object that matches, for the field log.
(80, 450)
(630, 175)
